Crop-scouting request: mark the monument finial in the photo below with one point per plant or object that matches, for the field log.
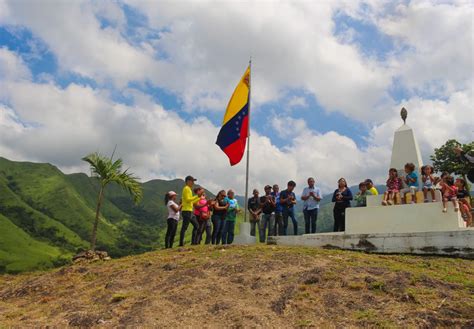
(404, 114)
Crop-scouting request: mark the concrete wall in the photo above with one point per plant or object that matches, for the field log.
(409, 218)
(452, 243)
(376, 200)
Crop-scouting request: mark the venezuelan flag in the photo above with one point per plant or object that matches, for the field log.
(235, 127)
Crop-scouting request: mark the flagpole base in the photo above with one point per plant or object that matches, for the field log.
(244, 237)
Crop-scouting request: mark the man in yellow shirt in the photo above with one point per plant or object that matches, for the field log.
(188, 200)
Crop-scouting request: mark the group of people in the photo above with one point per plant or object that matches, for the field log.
(271, 212)
(452, 190)
(201, 212)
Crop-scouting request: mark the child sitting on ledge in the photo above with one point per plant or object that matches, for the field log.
(449, 192)
(429, 182)
(411, 180)
(394, 184)
(361, 197)
(463, 198)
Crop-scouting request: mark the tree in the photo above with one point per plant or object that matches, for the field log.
(445, 159)
(108, 171)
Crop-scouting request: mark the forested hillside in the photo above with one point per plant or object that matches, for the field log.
(46, 216)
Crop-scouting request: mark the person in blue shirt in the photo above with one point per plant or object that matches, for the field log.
(278, 229)
(411, 182)
(311, 196)
(288, 201)
(341, 197)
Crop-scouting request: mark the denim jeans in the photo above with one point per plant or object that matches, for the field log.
(339, 219)
(278, 229)
(267, 222)
(310, 218)
(289, 213)
(170, 232)
(228, 232)
(204, 225)
(217, 227)
(254, 225)
(188, 217)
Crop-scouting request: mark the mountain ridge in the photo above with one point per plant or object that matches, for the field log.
(56, 210)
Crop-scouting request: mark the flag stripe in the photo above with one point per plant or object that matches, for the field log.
(232, 130)
(239, 98)
(235, 151)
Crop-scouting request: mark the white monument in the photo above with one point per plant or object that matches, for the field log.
(420, 228)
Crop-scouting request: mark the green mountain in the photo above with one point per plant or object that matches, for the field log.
(46, 216)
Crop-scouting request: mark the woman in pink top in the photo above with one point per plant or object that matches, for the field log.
(202, 213)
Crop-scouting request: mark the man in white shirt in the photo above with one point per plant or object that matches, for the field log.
(311, 197)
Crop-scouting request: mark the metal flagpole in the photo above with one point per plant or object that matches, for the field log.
(248, 145)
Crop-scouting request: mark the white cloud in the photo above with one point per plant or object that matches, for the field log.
(288, 127)
(207, 46)
(434, 42)
(297, 101)
(74, 34)
(12, 66)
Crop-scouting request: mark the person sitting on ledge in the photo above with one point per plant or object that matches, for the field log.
(449, 192)
(463, 198)
(411, 180)
(429, 182)
(370, 187)
(394, 184)
(361, 197)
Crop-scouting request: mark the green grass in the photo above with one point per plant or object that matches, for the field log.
(58, 210)
(19, 251)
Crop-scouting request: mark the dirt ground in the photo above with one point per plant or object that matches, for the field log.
(245, 287)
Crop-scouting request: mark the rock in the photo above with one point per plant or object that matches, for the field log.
(170, 267)
(91, 256)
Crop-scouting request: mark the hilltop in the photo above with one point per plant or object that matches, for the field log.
(253, 286)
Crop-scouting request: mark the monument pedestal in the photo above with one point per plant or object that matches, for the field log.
(459, 243)
(420, 228)
(244, 237)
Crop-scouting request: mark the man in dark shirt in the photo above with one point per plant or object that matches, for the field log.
(267, 204)
(255, 211)
(288, 201)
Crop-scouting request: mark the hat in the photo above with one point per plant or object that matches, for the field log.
(188, 178)
(267, 187)
(171, 193)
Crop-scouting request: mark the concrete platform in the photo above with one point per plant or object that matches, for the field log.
(412, 218)
(459, 243)
(244, 237)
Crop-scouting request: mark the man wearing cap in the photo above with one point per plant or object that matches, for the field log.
(267, 204)
(188, 200)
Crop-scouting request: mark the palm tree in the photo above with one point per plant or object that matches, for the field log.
(108, 171)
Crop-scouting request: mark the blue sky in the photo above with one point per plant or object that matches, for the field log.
(332, 74)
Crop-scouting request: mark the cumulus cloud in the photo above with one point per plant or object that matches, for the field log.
(74, 34)
(12, 66)
(205, 46)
